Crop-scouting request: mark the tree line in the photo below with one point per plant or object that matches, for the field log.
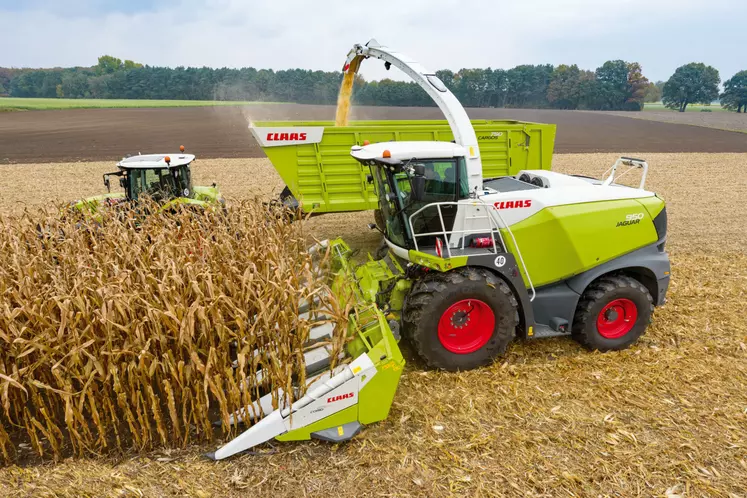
(616, 85)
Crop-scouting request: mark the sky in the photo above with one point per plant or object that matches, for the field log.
(441, 34)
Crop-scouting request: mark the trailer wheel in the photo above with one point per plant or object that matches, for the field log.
(612, 313)
(460, 320)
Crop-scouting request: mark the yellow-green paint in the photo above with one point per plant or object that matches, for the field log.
(436, 263)
(653, 205)
(206, 194)
(375, 399)
(372, 336)
(344, 416)
(202, 196)
(324, 177)
(562, 241)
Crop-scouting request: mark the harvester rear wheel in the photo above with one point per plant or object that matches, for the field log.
(460, 320)
(612, 314)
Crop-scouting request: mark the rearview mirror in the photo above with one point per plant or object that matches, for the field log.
(122, 182)
(106, 184)
(418, 183)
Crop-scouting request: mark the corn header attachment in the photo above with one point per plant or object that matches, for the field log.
(340, 401)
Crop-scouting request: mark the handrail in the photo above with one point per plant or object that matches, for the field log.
(518, 251)
(627, 161)
(493, 228)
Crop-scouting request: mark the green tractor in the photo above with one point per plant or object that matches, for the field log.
(163, 178)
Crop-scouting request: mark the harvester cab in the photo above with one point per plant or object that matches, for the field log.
(473, 263)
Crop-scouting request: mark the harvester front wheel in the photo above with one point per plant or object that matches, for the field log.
(612, 314)
(460, 320)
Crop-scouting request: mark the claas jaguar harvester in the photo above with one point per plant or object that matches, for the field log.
(473, 263)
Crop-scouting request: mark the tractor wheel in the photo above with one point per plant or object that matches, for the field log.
(612, 314)
(460, 320)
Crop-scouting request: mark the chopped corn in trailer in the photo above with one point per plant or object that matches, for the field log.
(472, 261)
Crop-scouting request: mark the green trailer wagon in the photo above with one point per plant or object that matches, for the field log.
(313, 157)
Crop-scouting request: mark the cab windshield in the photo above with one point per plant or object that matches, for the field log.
(445, 181)
(159, 183)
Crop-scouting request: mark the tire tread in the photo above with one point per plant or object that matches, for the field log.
(422, 294)
(592, 295)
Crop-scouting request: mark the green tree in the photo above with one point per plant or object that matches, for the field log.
(497, 88)
(128, 64)
(564, 90)
(447, 77)
(108, 64)
(620, 86)
(734, 97)
(588, 90)
(653, 92)
(98, 87)
(522, 86)
(612, 80)
(526, 85)
(6, 75)
(693, 83)
(470, 87)
(75, 85)
(636, 89)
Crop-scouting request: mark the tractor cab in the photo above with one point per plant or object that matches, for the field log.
(158, 176)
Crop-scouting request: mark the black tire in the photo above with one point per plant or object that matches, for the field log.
(433, 295)
(596, 298)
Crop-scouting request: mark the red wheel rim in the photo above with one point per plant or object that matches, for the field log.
(617, 318)
(466, 326)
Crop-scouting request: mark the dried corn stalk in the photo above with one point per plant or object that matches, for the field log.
(133, 332)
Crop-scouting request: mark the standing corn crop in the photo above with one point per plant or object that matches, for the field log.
(131, 333)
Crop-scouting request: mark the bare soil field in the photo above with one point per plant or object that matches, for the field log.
(666, 418)
(718, 120)
(213, 132)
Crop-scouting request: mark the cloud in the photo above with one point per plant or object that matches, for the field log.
(85, 8)
(451, 34)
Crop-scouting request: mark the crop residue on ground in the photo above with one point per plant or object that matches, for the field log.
(666, 417)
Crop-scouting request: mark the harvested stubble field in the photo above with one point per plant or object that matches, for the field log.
(667, 417)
